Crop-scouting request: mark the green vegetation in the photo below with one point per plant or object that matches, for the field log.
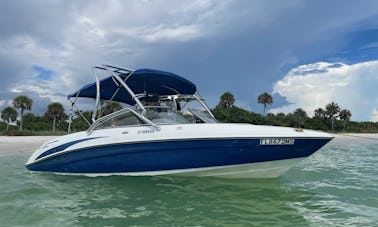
(79, 124)
(300, 117)
(55, 111)
(332, 118)
(265, 99)
(345, 115)
(29, 124)
(332, 110)
(227, 100)
(54, 121)
(109, 107)
(9, 115)
(23, 103)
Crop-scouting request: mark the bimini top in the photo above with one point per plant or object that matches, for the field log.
(141, 81)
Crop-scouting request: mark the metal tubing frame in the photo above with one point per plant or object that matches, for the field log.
(117, 113)
(123, 83)
(98, 95)
(116, 76)
(204, 105)
(73, 108)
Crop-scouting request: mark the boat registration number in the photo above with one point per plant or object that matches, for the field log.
(277, 141)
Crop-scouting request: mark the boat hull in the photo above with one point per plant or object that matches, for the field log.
(226, 157)
(270, 169)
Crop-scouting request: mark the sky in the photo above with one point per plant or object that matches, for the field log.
(305, 53)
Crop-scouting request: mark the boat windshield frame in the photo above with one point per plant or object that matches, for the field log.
(151, 116)
(203, 116)
(109, 117)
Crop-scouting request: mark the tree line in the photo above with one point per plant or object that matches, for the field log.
(54, 120)
(331, 118)
(54, 116)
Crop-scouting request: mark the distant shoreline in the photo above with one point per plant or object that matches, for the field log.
(349, 138)
(22, 144)
(358, 135)
(25, 139)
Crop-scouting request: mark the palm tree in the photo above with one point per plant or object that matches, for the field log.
(55, 111)
(320, 113)
(300, 117)
(227, 100)
(9, 115)
(22, 102)
(332, 110)
(265, 99)
(345, 117)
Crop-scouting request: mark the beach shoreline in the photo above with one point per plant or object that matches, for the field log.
(22, 144)
(354, 138)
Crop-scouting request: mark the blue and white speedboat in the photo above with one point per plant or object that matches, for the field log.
(156, 133)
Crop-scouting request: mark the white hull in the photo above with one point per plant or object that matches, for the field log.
(157, 140)
(173, 132)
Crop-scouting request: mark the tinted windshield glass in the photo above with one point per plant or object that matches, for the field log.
(203, 115)
(123, 119)
(162, 115)
(157, 115)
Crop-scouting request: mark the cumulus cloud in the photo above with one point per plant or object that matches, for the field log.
(313, 86)
(74, 36)
(199, 38)
(374, 115)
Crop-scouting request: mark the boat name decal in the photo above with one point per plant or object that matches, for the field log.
(277, 141)
(146, 131)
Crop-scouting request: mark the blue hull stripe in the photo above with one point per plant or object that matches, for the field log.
(63, 146)
(170, 155)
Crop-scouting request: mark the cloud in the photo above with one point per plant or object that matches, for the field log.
(313, 86)
(44, 55)
(242, 45)
(163, 32)
(374, 115)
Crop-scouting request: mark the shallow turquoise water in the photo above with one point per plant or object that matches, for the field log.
(338, 186)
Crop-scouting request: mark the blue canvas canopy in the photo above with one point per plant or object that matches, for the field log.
(141, 81)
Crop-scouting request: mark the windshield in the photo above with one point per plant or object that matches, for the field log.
(158, 115)
(203, 116)
(164, 115)
(124, 118)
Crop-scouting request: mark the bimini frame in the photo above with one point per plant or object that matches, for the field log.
(122, 83)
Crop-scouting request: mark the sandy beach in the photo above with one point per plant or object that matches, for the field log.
(353, 138)
(27, 144)
(22, 144)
